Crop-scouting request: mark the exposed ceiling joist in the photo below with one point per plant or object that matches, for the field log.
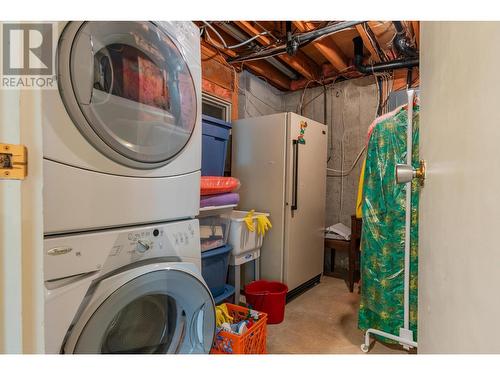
(331, 55)
(240, 37)
(326, 47)
(259, 67)
(270, 73)
(366, 41)
(205, 45)
(301, 62)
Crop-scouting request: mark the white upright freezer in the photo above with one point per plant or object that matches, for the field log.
(286, 178)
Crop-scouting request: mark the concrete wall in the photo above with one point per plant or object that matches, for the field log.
(257, 97)
(350, 108)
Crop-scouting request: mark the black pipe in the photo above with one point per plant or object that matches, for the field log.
(381, 67)
(399, 27)
(313, 35)
(291, 43)
(401, 43)
(299, 40)
(409, 78)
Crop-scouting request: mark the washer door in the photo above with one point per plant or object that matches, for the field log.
(164, 311)
(129, 90)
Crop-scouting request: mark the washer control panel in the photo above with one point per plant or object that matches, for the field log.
(177, 240)
(111, 249)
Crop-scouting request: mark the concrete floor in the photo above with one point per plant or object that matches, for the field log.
(323, 320)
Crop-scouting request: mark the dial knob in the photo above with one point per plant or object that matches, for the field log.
(142, 246)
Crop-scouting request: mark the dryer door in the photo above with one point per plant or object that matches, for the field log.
(129, 90)
(163, 311)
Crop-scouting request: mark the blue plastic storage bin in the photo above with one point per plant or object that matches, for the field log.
(215, 137)
(214, 267)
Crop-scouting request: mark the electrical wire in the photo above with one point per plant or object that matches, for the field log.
(368, 32)
(299, 104)
(323, 81)
(342, 160)
(378, 98)
(261, 57)
(280, 49)
(245, 42)
(351, 168)
(330, 151)
(385, 83)
(264, 29)
(216, 33)
(224, 44)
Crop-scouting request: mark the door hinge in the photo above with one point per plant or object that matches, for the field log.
(13, 162)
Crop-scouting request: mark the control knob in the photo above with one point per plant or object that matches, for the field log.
(143, 246)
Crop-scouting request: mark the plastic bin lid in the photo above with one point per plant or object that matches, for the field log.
(217, 251)
(228, 292)
(216, 210)
(217, 121)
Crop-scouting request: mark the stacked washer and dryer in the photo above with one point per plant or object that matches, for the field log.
(122, 158)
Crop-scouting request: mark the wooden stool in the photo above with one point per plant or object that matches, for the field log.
(351, 274)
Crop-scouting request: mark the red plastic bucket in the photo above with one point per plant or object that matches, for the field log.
(268, 297)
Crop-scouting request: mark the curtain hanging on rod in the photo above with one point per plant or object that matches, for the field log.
(383, 234)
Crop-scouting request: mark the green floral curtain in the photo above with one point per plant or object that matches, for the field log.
(383, 234)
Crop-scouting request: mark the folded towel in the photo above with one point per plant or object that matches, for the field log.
(338, 231)
(219, 199)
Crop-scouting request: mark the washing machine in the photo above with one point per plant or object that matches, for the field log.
(122, 132)
(133, 290)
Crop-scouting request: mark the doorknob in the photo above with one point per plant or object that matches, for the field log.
(405, 173)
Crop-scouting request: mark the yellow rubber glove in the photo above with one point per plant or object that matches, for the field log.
(263, 224)
(222, 315)
(248, 219)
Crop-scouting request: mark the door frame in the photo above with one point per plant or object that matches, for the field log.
(21, 229)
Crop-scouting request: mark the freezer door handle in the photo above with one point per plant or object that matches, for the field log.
(295, 174)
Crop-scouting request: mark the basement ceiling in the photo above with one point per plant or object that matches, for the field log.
(323, 60)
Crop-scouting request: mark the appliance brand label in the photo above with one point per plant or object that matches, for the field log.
(59, 250)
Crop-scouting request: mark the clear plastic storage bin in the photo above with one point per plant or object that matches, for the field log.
(214, 226)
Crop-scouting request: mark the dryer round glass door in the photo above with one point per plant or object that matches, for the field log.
(164, 311)
(129, 90)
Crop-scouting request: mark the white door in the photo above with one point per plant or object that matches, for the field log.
(459, 253)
